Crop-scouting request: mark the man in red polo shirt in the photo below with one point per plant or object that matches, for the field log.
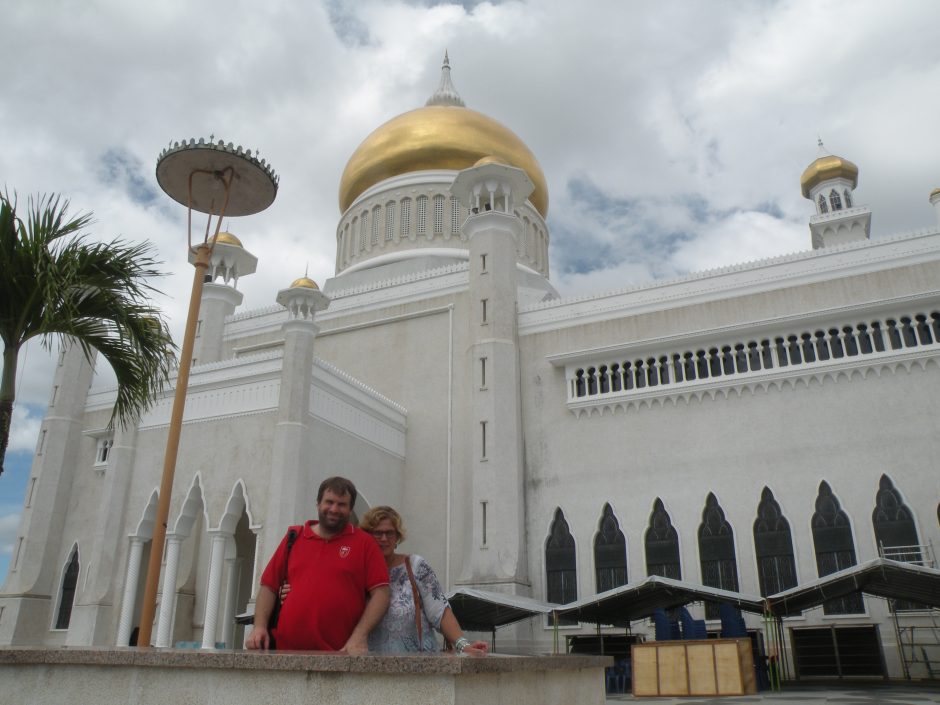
(339, 582)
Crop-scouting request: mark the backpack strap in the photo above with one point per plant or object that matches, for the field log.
(417, 599)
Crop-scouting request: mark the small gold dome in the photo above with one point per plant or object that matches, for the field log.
(227, 238)
(304, 283)
(935, 192)
(825, 168)
(437, 137)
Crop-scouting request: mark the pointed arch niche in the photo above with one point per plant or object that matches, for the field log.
(773, 544)
(561, 575)
(895, 530)
(138, 558)
(610, 553)
(67, 590)
(716, 552)
(662, 544)
(835, 547)
(896, 533)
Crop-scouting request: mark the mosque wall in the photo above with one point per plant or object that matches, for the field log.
(402, 351)
(846, 428)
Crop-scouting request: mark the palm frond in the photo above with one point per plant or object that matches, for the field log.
(56, 281)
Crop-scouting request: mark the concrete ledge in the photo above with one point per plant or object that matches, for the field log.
(144, 676)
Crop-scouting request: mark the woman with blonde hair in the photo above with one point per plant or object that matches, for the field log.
(418, 602)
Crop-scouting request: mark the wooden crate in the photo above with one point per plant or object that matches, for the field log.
(707, 667)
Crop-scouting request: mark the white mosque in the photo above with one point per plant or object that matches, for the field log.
(750, 428)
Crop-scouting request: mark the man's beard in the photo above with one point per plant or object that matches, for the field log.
(332, 524)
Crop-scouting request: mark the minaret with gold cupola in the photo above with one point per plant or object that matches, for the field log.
(495, 554)
(830, 182)
(220, 295)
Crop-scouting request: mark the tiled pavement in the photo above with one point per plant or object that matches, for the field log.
(797, 695)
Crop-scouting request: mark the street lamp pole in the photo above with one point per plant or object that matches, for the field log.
(198, 175)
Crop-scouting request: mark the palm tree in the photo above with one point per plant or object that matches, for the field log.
(54, 281)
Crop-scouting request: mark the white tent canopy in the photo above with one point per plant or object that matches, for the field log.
(482, 610)
(880, 577)
(637, 600)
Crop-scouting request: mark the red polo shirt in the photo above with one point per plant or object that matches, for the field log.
(329, 581)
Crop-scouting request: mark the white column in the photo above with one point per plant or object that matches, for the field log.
(130, 591)
(168, 596)
(231, 595)
(212, 594)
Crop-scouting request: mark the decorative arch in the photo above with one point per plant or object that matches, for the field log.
(848, 198)
(835, 200)
(716, 551)
(67, 589)
(835, 547)
(662, 544)
(894, 524)
(148, 517)
(189, 511)
(610, 553)
(773, 544)
(561, 572)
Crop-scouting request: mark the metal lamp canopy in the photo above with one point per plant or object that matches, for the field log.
(194, 174)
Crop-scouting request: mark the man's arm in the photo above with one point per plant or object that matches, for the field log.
(376, 606)
(259, 637)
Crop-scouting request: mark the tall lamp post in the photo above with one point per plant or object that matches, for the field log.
(219, 180)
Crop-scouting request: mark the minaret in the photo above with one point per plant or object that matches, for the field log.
(829, 182)
(290, 462)
(496, 556)
(41, 548)
(230, 260)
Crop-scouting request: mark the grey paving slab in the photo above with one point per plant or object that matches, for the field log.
(876, 695)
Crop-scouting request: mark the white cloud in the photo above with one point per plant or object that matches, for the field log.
(9, 523)
(701, 115)
(24, 431)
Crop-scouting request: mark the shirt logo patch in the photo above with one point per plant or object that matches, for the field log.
(344, 551)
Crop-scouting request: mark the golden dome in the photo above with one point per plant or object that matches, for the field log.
(442, 135)
(303, 283)
(227, 238)
(935, 192)
(828, 167)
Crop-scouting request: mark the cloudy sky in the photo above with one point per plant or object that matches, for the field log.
(672, 134)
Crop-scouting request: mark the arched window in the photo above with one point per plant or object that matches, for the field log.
(716, 552)
(662, 544)
(422, 215)
(67, 593)
(823, 208)
(362, 229)
(405, 217)
(835, 200)
(389, 220)
(835, 547)
(438, 215)
(560, 569)
(848, 198)
(454, 215)
(376, 219)
(895, 532)
(610, 553)
(776, 567)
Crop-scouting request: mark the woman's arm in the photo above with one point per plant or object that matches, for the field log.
(452, 632)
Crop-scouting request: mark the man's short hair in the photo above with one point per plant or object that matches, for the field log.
(338, 486)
